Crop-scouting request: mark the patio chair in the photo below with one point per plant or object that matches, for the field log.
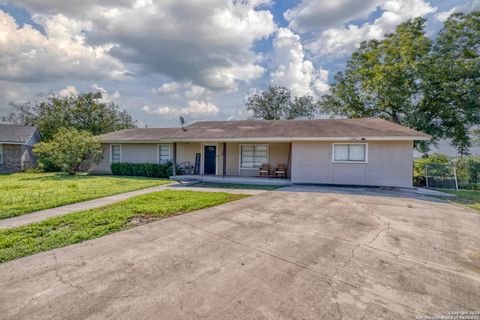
(264, 170)
(281, 171)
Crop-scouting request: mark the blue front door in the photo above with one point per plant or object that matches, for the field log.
(210, 159)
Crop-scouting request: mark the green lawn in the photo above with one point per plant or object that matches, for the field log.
(468, 198)
(28, 192)
(80, 226)
(233, 186)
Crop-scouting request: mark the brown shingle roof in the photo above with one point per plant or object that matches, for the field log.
(277, 129)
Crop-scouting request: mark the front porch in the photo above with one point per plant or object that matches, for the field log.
(230, 160)
(233, 180)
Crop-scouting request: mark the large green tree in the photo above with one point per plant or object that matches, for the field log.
(84, 112)
(432, 86)
(277, 103)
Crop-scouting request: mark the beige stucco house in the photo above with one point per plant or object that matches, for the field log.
(369, 151)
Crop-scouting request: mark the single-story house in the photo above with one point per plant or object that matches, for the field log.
(368, 151)
(16, 147)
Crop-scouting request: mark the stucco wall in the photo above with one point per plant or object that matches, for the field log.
(390, 163)
(277, 153)
(145, 153)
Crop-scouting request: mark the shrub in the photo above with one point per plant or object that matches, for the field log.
(153, 170)
(468, 172)
(69, 150)
(419, 167)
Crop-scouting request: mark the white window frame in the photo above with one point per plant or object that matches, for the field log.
(169, 151)
(111, 153)
(350, 161)
(250, 144)
(1, 153)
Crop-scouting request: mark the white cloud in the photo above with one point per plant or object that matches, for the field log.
(206, 42)
(292, 70)
(181, 90)
(312, 15)
(470, 6)
(83, 8)
(28, 55)
(68, 91)
(195, 109)
(344, 40)
(106, 95)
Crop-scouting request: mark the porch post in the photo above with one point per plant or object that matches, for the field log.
(174, 159)
(224, 167)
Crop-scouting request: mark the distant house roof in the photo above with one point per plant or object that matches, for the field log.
(272, 130)
(16, 134)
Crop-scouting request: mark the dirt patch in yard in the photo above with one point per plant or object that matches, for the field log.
(142, 219)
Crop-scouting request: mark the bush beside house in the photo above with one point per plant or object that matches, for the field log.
(69, 150)
(152, 170)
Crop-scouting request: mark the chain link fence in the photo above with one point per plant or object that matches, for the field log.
(452, 176)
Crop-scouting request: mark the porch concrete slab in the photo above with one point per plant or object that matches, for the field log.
(233, 180)
(276, 255)
(192, 187)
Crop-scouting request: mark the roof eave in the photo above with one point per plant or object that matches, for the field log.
(274, 139)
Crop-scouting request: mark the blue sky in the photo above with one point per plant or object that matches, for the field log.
(199, 59)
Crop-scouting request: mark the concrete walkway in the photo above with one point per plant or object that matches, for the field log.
(80, 206)
(96, 203)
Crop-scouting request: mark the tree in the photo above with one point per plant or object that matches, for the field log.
(84, 112)
(277, 103)
(69, 149)
(408, 79)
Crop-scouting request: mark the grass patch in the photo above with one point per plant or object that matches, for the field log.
(233, 186)
(23, 193)
(80, 226)
(468, 198)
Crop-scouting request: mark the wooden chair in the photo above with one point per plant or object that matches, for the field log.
(281, 171)
(264, 170)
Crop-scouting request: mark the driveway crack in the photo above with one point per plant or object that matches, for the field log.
(60, 277)
(386, 228)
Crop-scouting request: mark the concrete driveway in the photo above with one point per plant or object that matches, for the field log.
(307, 253)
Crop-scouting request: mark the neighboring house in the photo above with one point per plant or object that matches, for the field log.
(324, 151)
(16, 144)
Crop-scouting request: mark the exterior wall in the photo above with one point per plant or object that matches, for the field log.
(390, 163)
(277, 153)
(147, 153)
(130, 152)
(12, 158)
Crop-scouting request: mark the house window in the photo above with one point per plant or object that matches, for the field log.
(253, 155)
(355, 152)
(1, 153)
(163, 153)
(116, 153)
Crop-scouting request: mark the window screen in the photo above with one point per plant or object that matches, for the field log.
(163, 153)
(349, 152)
(253, 155)
(116, 153)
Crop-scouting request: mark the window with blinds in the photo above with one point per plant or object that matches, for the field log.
(163, 153)
(253, 155)
(356, 152)
(116, 153)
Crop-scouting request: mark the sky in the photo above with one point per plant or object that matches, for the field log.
(200, 59)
